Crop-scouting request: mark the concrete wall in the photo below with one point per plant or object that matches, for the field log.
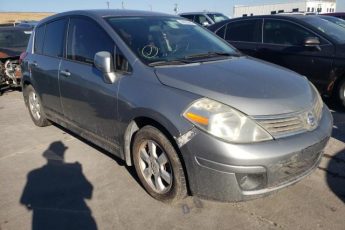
(301, 5)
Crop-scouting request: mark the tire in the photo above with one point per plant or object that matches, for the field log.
(158, 166)
(33, 104)
(341, 93)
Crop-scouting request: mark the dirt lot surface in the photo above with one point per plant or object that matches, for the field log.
(6, 17)
(100, 192)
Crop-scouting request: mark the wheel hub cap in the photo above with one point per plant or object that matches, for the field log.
(155, 167)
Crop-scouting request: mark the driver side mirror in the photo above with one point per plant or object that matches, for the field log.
(312, 42)
(104, 62)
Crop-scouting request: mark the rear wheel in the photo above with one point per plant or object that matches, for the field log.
(158, 165)
(34, 105)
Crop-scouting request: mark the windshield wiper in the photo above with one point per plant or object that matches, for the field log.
(211, 54)
(173, 62)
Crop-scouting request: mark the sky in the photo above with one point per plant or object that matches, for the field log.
(167, 6)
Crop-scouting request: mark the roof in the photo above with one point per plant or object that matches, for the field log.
(101, 13)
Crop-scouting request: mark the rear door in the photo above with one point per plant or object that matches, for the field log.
(88, 102)
(245, 35)
(48, 52)
(283, 44)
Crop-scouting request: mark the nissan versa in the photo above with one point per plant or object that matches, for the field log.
(190, 112)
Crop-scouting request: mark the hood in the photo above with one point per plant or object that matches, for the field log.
(254, 87)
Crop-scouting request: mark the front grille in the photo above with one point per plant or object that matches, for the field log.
(291, 124)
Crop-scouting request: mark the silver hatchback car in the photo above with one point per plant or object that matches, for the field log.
(190, 112)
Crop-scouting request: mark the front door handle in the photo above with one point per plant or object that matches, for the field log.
(66, 73)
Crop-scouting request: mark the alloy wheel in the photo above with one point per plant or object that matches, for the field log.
(155, 167)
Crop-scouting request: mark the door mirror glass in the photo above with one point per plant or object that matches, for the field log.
(104, 62)
(312, 42)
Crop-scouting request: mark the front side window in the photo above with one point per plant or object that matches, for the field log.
(54, 38)
(201, 19)
(244, 31)
(85, 39)
(284, 33)
(190, 17)
(166, 39)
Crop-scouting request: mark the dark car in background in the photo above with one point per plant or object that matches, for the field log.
(13, 42)
(204, 18)
(338, 15)
(309, 45)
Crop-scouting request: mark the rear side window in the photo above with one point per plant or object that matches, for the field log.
(39, 37)
(284, 33)
(200, 19)
(54, 38)
(244, 31)
(85, 39)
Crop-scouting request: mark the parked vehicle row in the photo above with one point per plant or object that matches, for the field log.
(13, 42)
(189, 111)
(310, 45)
(205, 18)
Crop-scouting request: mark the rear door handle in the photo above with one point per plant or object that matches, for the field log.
(66, 73)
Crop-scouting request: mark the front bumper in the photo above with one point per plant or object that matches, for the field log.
(236, 172)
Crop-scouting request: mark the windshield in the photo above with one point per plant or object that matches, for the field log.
(168, 39)
(338, 21)
(218, 17)
(14, 38)
(329, 28)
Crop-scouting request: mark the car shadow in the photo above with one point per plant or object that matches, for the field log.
(335, 171)
(336, 174)
(119, 161)
(56, 193)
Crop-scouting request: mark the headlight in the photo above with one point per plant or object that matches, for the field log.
(225, 122)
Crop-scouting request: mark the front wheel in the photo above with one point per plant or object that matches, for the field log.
(158, 165)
